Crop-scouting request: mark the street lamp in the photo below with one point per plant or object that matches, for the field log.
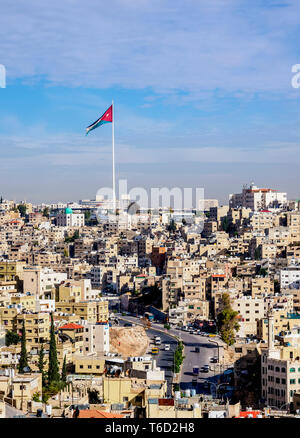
(218, 346)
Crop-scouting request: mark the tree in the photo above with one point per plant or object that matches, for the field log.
(87, 216)
(64, 372)
(178, 357)
(23, 362)
(53, 369)
(46, 212)
(257, 254)
(227, 321)
(225, 224)
(12, 338)
(171, 227)
(22, 209)
(41, 364)
(75, 236)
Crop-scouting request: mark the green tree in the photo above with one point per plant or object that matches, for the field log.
(64, 372)
(257, 254)
(23, 361)
(41, 364)
(227, 321)
(225, 224)
(171, 227)
(46, 212)
(36, 397)
(87, 216)
(178, 357)
(53, 369)
(22, 209)
(12, 338)
(75, 236)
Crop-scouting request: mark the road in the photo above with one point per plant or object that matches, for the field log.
(11, 412)
(190, 341)
(165, 358)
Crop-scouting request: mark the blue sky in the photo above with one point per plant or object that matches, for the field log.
(202, 93)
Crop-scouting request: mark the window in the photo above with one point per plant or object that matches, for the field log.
(292, 370)
(292, 381)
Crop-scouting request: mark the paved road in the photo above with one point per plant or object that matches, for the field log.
(11, 412)
(165, 358)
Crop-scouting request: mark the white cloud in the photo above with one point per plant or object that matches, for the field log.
(196, 46)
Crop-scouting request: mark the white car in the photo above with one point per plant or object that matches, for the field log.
(167, 347)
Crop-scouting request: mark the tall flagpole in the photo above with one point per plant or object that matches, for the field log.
(113, 158)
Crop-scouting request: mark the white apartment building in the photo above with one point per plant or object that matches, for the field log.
(95, 338)
(257, 198)
(69, 219)
(290, 278)
(45, 305)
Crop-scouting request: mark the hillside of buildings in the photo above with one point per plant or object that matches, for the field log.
(225, 281)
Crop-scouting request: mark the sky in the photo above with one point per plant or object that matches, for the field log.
(202, 96)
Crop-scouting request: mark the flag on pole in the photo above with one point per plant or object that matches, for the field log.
(107, 117)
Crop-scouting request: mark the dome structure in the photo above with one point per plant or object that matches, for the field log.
(68, 210)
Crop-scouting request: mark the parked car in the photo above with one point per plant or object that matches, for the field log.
(167, 347)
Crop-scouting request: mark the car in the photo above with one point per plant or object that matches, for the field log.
(213, 360)
(204, 370)
(167, 347)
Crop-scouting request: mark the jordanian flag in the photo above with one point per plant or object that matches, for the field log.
(107, 117)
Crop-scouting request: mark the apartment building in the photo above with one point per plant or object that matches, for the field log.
(40, 281)
(290, 278)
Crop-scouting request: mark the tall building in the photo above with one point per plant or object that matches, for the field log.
(257, 198)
